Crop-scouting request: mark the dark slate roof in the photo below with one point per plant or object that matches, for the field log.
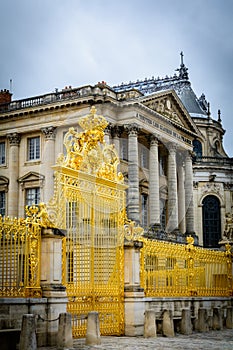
(180, 83)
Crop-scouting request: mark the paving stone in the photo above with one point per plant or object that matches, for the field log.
(214, 340)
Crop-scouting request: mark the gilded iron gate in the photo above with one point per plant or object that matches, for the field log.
(89, 204)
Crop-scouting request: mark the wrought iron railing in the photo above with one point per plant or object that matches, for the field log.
(170, 269)
(20, 242)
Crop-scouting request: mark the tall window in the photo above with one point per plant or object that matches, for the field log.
(33, 148)
(211, 222)
(124, 149)
(2, 153)
(32, 196)
(144, 157)
(2, 203)
(144, 199)
(197, 148)
(163, 165)
(163, 213)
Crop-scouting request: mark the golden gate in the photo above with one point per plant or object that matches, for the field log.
(89, 204)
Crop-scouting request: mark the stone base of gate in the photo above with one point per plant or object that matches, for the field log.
(56, 304)
(134, 313)
(45, 310)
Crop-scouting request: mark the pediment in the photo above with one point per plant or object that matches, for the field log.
(168, 105)
(31, 177)
(4, 183)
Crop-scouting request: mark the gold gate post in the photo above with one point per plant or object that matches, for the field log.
(51, 279)
(134, 293)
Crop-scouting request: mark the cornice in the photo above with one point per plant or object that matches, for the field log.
(162, 118)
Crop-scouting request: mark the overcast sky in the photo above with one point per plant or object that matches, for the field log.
(48, 44)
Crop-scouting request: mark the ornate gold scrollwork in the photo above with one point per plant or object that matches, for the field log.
(37, 214)
(132, 232)
(86, 151)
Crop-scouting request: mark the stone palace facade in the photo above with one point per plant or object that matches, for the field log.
(180, 180)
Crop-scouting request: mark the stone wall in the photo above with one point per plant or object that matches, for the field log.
(46, 310)
(176, 305)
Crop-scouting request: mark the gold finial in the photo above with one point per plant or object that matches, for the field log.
(190, 240)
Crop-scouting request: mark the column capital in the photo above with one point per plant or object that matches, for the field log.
(188, 156)
(108, 129)
(172, 147)
(116, 130)
(153, 139)
(49, 132)
(132, 129)
(14, 139)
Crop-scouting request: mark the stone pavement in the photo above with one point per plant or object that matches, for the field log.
(212, 340)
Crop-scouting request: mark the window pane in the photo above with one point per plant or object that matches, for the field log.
(2, 203)
(124, 149)
(163, 213)
(34, 148)
(32, 196)
(2, 153)
(144, 157)
(211, 222)
(197, 148)
(144, 199)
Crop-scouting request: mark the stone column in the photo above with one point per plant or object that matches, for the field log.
(13, 192)
(154, 183)
(116, 133)
(133, 173)
(48, 161)
(181, 197)
(172, 190)
(107, 134)
(189, 207)
(134, 293)
(51, 280)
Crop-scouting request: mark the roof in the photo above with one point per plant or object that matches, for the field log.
(180, 83)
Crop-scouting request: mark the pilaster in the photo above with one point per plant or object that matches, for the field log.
(13, 193)
(48, 160)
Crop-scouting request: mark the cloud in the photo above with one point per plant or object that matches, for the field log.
(50, 44)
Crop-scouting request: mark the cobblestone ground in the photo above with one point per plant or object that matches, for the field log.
(213, 340)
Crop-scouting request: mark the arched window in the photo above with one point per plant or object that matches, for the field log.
(211, 222)
(197, 148)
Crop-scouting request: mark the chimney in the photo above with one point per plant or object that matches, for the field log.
(5, 96)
